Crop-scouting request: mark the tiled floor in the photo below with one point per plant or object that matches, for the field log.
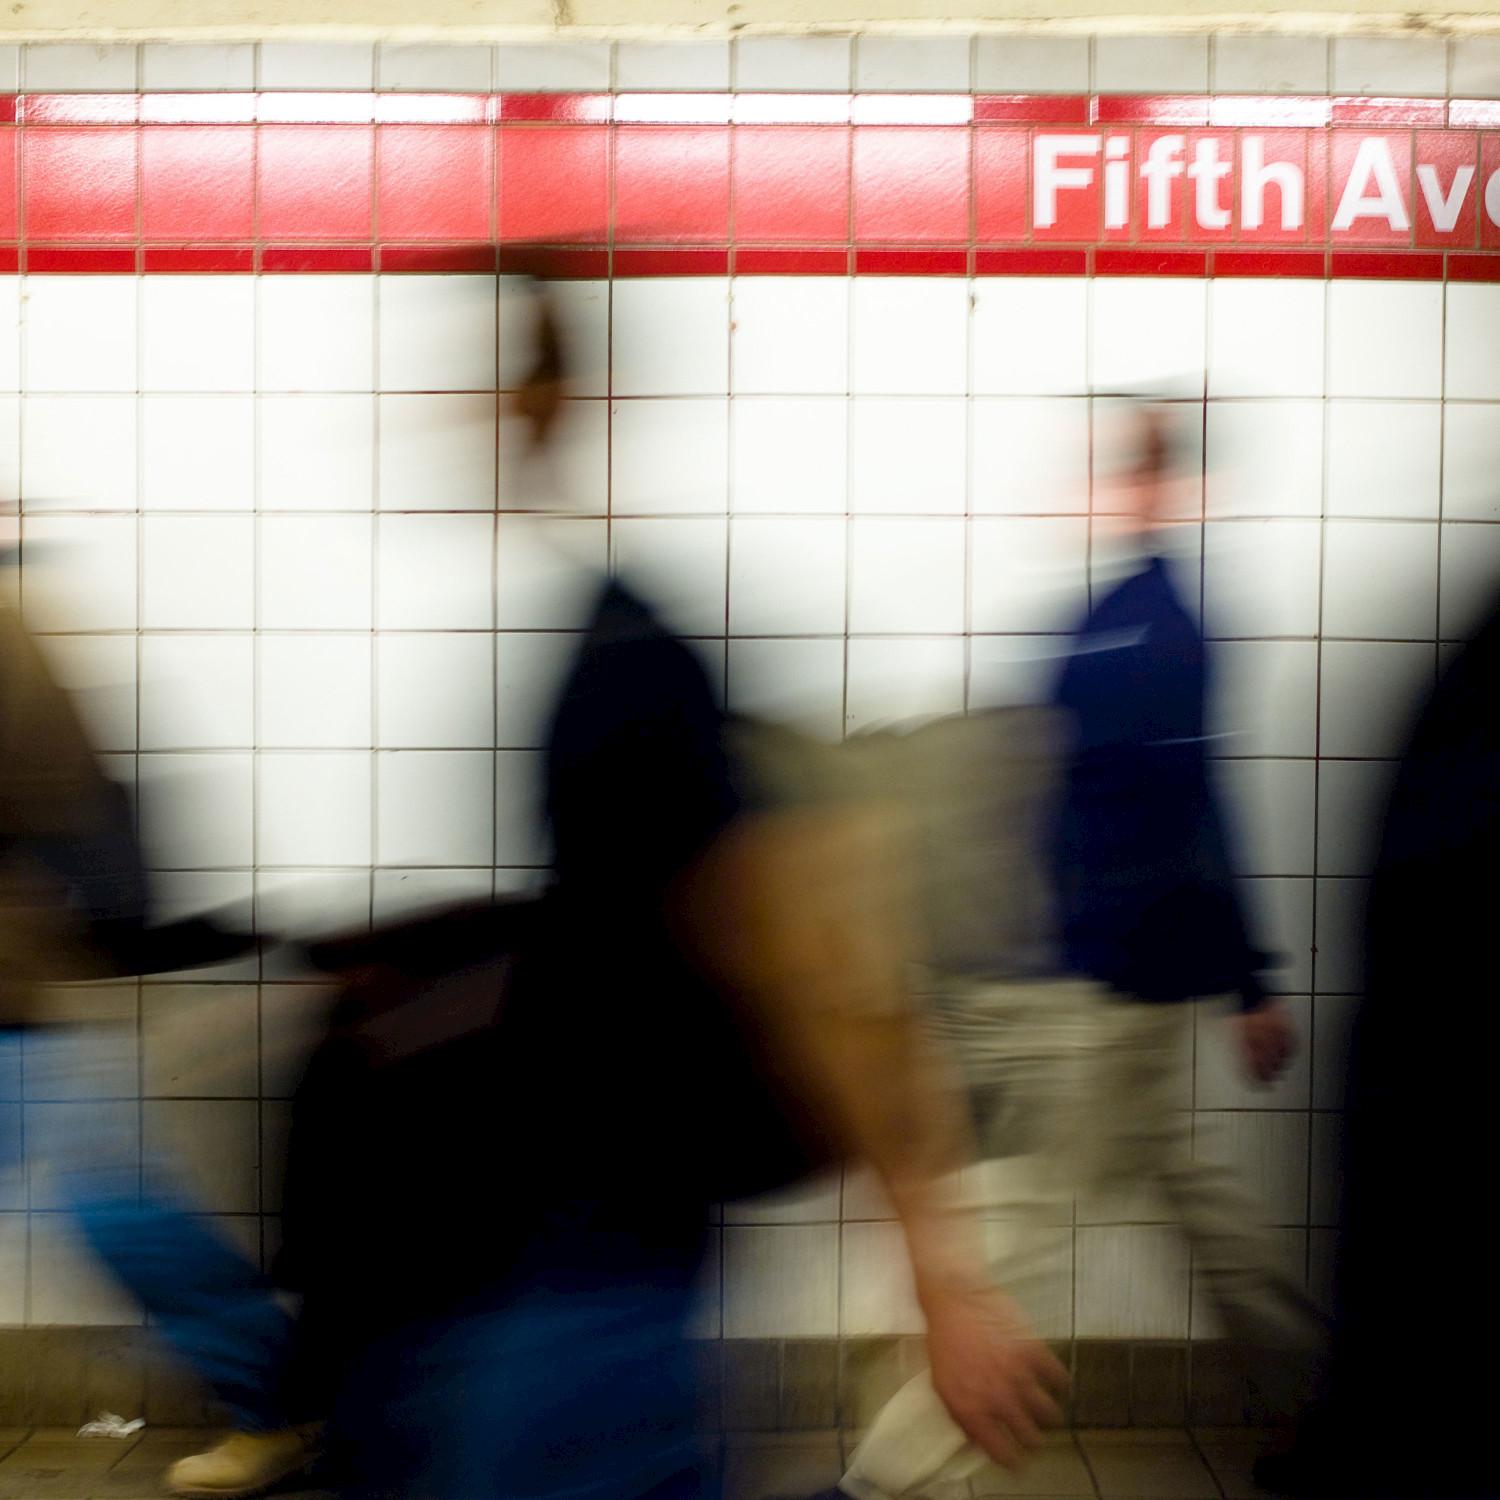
(1208, 1464)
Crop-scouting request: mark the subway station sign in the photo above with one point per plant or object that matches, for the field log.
(752, 183)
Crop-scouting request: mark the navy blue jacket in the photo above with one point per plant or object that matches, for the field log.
(1145, 885)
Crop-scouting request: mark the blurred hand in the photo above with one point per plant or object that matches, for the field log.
(1000, 1383)
(1267, 1040)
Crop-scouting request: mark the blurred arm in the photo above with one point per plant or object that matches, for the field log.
(59, 810)
(803, 915)
(55, 804)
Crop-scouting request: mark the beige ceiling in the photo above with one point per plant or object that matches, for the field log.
(500, 19)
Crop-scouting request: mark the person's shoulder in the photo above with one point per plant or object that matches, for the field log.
(1150, 595)
(632, 668)
(622, 615)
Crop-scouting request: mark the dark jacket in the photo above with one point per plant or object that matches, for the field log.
(1141, 858)
(548, 1090)
(1413, 1285)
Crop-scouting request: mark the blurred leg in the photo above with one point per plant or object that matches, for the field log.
(1029, 1054)
(209, 1302)
(585, 1395)
(1260, 1303)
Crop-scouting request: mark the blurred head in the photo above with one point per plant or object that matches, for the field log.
(539, 397)
(1147, 477)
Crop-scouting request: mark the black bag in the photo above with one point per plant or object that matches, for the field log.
(400, 1103)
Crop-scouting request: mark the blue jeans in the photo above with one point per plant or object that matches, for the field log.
(553, 1395)
(210, 1303)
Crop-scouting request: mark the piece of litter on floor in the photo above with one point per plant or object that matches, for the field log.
(108, 1425)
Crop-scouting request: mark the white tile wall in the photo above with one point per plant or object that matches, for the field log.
(437, 452)
(1029, 455)
(798, 680)
(314, 691)
(908, 455)
(558, 66)
(433, 67)
(316, 452)
(1030, 337)
(1389, 65)
(1026, 574)
(889, 680)
(790, 454)
(1270, 64)
(672, 65)
(1264, 458)
(1385, 458)
(906, 576)
(314, 572)
(435, 690)
(910, 337)
(1147, 64)
(807, 63)
(1470, 437)
(79, 66)
(1470, 559)
(1132, 1282)
(1385, 339)
(60, 473)
(197, 692)
(799, 459)
(786, 576)
(80, 334)
(437, 333)
(10, 333)
(1261, 578)
(694, 361)
(1474, 67)
(1266, 338)
(317, 333)
(198, 452)
(1032, 64)
(781, 1280)
(197, 65)
(791, 336)
(1229, 63)
(907, 63)
(1368, 690)
(1271, 805)
(1148, 334)
(427, 803)
(316, 65)
(1379, 579)
(876, 1291)
(694, 432)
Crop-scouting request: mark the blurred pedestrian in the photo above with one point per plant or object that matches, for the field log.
(1412, 1289)
(75, 905)
(1073, 1028)
(711, 1004)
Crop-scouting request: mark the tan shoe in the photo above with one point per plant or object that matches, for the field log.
(245, 1463)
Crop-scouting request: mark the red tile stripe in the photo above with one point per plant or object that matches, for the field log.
(643, 184)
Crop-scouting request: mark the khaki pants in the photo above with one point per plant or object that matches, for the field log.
(1078, 1093)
